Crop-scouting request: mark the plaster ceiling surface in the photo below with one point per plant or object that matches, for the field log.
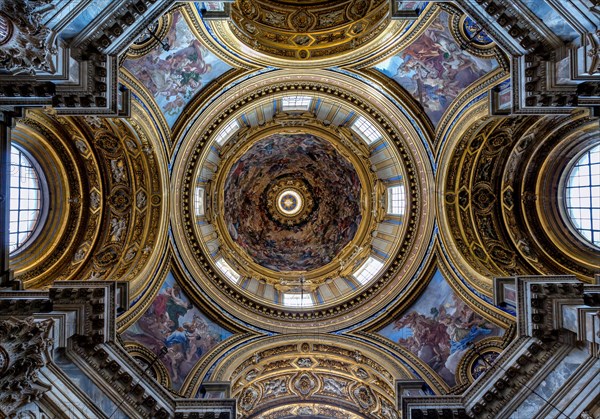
(327, 193)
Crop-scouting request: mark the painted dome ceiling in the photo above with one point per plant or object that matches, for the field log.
(301, 186)
(299, 200)
(292, 202)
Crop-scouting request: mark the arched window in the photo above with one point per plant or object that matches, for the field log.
(582, 195)
(25, 199)
(6, 29)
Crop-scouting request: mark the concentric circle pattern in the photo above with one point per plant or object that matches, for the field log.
(311, 258)
(289, 200)
(292, 202)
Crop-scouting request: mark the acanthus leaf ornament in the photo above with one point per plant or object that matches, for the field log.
(24, 348)
(26, 48)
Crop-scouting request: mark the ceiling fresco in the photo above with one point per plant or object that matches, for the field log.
(435, 69)
(174, 322)
(329, 181)
(176, 75)
(296, 207)
(411, 5)
(439, 327)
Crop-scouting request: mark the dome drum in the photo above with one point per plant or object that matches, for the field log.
(276, 246)
(227, 256)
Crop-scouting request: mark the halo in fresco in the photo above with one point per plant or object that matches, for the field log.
(334, 189)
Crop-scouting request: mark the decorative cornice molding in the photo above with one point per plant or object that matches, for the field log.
(395, 132)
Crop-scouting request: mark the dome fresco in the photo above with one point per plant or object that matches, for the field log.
(325, 177)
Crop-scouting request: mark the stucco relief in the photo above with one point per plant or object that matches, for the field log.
(23, 352)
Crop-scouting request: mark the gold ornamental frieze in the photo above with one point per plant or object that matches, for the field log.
(305, 30)
(312, 371)
(229, 256)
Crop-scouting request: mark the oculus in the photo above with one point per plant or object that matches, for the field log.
(290, 201)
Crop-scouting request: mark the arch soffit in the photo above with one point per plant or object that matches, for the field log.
(523, 221)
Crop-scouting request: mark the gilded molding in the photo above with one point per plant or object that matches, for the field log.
(313, 369)
(222, 114)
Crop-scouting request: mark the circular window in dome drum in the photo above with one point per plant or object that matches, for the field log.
(25, 199)
(582, 195)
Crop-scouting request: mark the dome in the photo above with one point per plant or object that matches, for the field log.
(296, 214)
(291, 202)
(299, 208)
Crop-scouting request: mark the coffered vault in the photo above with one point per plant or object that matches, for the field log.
(287, 209)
